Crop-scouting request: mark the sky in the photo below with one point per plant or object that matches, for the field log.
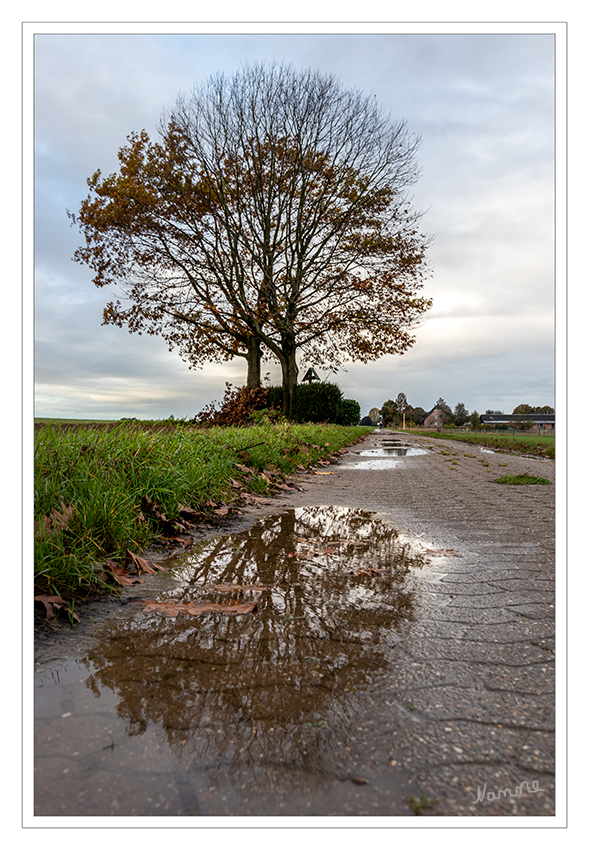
(483, 103)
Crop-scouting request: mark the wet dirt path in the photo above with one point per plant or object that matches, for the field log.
(402, 645)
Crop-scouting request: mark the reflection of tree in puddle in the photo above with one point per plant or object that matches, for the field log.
(281, 686)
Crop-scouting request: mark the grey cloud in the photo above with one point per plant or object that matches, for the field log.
(483, 105)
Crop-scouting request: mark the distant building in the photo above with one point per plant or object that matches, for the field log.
(540, 420)
(435, 418)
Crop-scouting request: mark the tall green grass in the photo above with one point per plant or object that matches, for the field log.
(105, 473)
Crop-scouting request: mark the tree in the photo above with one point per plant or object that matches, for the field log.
(272, 217)
(441, 404)
(374, 414)
(390, 414)
(461, 414)
(475, 419)
(522, 409)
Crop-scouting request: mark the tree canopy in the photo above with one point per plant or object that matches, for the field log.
(526, 408)
(270, 217)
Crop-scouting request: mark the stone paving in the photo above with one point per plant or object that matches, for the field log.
(465, 712)
(477, 671)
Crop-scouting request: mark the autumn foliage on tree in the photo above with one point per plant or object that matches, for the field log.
(271, 217)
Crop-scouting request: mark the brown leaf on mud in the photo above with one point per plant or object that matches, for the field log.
(186, 543)
(120, 574)
(285, 485)
(235, 588)
(260, 499)
(322, 473)
(221, 511)
(171, 608)
(141, 564)
(170, 526)
(49, 602)
(189, 513)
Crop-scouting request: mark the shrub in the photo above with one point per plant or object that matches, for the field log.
(236, 408)
(275, 398)
(349, 413)
(316, 402)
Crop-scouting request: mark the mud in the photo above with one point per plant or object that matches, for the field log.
(402, 647)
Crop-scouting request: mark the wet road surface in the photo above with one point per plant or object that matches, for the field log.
(395, 648)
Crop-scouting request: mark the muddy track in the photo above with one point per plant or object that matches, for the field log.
(432, 678)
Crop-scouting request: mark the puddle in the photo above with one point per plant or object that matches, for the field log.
(231, 714)
(383, 457)
(392, 451)
(487, 451)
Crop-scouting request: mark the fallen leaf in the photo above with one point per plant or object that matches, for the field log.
(243, 468)
(322, 473)
(55, 522)
(189, 513)
(61, 520)
(359, 780)
(171, 608)
(170, 526)
(260, 499)
(141, 564)
(186, 544)
(49, 602)
(120, 574)
(237, 485)
(221, 511)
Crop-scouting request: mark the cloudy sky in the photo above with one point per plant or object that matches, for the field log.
(483, 102)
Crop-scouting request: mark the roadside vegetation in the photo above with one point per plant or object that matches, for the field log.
(105, 492)
(523, 443)
(521, 479)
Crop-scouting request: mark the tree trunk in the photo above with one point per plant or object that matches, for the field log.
(254, 363)
(290, 372)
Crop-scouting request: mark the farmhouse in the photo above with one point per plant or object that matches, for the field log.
(435, 418)
(540, 420)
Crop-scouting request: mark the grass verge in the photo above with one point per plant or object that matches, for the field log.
(523, 444)
(101, 492)
(521, 479)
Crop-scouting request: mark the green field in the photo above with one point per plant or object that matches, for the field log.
(522, 443)
(102, 488)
